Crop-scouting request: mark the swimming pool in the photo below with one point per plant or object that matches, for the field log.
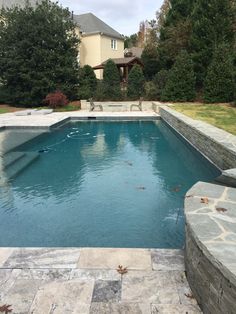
(99, 184)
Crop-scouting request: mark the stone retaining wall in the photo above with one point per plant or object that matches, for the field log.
(210, 253)
(217, 145)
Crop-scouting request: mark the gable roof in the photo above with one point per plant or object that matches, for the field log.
(90, 24)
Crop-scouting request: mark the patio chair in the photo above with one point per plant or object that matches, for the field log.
(93, 105)
(139, 105)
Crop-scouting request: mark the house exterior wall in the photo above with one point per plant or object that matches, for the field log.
(96, 48)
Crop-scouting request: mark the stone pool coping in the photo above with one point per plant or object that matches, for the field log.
(210, 210)
(86, 281)
(10, 120)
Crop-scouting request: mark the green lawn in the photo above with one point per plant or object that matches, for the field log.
(3, 110)
(222, 116)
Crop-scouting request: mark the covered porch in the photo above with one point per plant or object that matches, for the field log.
(124, 66)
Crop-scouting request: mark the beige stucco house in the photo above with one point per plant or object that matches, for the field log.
(99, 41)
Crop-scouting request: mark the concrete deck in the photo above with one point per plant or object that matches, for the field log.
(86, 281)
(10, 120)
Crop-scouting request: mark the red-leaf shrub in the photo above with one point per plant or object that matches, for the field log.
(56, 99)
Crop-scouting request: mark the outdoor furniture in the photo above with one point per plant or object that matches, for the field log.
(93, 105)
(139, 105)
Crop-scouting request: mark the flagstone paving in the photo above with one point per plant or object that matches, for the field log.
(85, 281)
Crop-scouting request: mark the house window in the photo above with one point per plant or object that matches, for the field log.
(114, 44)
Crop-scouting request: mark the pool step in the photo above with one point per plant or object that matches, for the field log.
(10, 158)
(19, 165)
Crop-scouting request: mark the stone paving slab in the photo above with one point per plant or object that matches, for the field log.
(39, 285)
(111, 258)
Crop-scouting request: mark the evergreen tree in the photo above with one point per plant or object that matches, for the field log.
(135, 82)
(212, 23)
(87, 82)
(181, 81)
(175, 30)
(150, 60)
(38, 53)
(111, 81)
(219, 83)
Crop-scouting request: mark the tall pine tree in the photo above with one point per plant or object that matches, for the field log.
(219, 83)
(212, 24)
(111, 81)
(181, 80)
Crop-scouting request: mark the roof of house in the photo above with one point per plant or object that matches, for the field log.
(90, 24)
(120, 62)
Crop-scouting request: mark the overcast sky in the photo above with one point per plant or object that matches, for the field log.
(123, 15)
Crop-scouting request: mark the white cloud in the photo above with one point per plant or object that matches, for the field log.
(123, 15)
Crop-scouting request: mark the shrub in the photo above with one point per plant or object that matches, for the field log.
(111, 81)
(87, 82)
(100, 91)
(219, 83)
(56, 100)
(136, 82)
(181, 82)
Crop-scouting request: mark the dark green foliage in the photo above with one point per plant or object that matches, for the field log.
(180, 85)
(155, 88)
(111, 81)
(38, 53)
(130, 41)
(135, 82)
(212, 24)
(219, 83)
(175, 31)
(87, 82)
(150, 61)
(100, 91)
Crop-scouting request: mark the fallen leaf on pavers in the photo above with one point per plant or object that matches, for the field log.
(122, 270)
(5, 309)
(205, 200)
(188, 196)
(141, 188)
(189, 295)
(221, 209)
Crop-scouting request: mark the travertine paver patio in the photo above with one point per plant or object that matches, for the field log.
(86, 281)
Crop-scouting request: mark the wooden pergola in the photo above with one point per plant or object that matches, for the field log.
(124, 66)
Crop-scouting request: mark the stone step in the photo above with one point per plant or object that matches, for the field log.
(10, 158)
(20, 165)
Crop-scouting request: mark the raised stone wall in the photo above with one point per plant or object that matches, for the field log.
(210, 254)
(217, 145)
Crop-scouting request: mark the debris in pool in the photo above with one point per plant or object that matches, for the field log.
(141, 188)
(205, 200)
(44, 150)
(128, 162)
(176, 189)
(154, 138)
(122, 270)
(221, 209)
(5, 309)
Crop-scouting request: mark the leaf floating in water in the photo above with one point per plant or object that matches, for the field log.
(45, 150)
(122, 270)
(189, 295)
(176, 188)
(129, 163)
(205, 200)
(221, 209)
(5, 309)
(141, 188)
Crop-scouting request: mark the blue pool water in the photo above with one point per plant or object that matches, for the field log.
(102, 184)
